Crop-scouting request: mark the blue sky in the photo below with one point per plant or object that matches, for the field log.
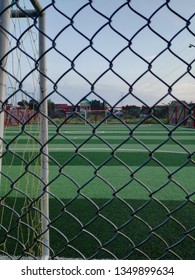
(124, 39)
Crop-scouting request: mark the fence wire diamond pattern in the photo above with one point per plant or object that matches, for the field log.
(120, 182)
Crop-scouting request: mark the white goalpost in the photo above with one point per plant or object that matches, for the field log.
(87, 117)
(4, 43)
(6, 13)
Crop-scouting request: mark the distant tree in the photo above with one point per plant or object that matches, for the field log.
(51, 108)
(23, 103)
(160, 112)
(98, 105)
(95, 105)
(131, 111)
(33, 104)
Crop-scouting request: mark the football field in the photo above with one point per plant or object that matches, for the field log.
(115, 191)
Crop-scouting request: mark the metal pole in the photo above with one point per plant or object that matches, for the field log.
(36, 5)
(4, 47)
(21, 14)
(44, 138)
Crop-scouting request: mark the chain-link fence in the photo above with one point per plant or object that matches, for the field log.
(97, 129)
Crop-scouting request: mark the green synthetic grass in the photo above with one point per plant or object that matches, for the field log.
(101, 158)
(95, 141)
(102, 204)
(128, 234)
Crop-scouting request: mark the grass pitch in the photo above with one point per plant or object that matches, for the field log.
(115, 192)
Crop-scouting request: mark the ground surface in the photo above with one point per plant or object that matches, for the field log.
(115, 191)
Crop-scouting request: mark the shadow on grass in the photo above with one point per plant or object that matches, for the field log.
(100, 229)
(131, 159)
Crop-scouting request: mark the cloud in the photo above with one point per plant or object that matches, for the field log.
(185, 86)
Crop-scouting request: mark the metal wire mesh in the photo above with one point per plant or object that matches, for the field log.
(97, 211)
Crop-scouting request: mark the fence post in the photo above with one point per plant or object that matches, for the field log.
(44, 138)
(176, 114)
(194, 117)
(4, 45)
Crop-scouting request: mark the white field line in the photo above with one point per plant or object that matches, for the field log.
(96, 150)
(151, 132)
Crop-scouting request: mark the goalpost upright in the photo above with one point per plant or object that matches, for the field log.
(5, 14)
(4, 44)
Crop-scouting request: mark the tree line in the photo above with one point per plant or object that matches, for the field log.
(34, 105)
